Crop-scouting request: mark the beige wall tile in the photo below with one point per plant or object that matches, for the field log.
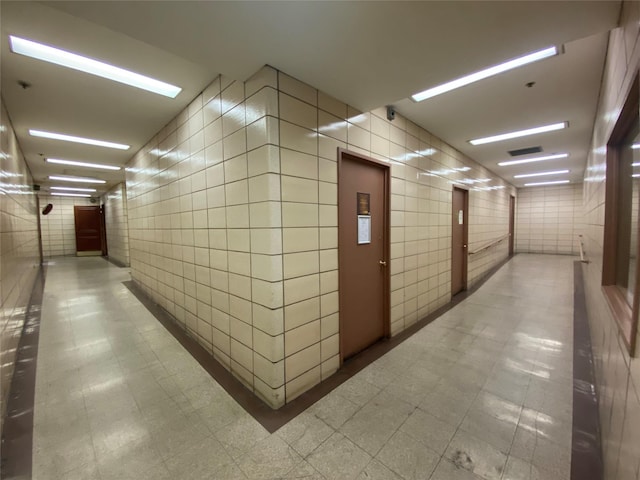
(298, 314)
(234, 145)
(297, 89)
(299, 190)
(299, 164)
(302, 337)
(300, 264)
(265, 77)
(264, 159)
(329, 325)
(268, 320)
(304, 360)
(265, 214)
(232, 96)
(241, 332)
(331, 105)
(270, 373)
(270, 347)
(267, 294)
(297, 138)
(262, 103)
(268, 241)
(299, 214)
(298, 112)
(264, 187)
(267, 267)
(330, 347)
(235, 169)
(262, 132)
(301, 288)
(301, 384)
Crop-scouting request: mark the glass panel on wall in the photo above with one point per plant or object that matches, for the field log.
(628, 204)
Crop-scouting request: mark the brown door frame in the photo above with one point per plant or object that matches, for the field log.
(465, 236)
(512, 223)
(101, 226)
(103, 230)
(386, 285)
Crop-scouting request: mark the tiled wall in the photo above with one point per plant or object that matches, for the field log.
(233, 224)
(19, 255)
(617, 375)
(58, 226)
(117, 226)
(549, 219)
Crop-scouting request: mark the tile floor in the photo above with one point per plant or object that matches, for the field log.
(484, 392)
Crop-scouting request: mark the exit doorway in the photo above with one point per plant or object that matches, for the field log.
(91, 237)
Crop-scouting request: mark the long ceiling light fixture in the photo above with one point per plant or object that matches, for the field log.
(70, 194)
(557, 182)
(82, 164)
(486, 73)
(520, 133)
(76, 179)
(71, 138)
(63, 58)
(534, 159)
(74, 189)
(541, 174)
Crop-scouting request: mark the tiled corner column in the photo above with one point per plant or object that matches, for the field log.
(310, 237)
(205, 221)
(115, 202)
(233, 221)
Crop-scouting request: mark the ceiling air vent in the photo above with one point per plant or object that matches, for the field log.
(525, 151)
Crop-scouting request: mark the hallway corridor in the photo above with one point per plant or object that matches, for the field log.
(483, 392)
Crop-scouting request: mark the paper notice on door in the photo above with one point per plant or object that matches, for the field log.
(364, 229)
(460, 217)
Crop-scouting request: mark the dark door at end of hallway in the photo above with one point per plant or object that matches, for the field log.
(512, 221)
(459, 241)
(89, 231)
(363, 253)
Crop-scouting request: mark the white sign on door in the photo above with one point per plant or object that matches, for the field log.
(364, 229)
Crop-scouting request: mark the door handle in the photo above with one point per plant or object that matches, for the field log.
(464, 246)
(382, 262)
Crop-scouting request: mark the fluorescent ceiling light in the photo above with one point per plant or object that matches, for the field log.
(636, 175)
(82, 164)
(555, 172)
(545, 183)
(519, 133)
(76, 179)
(482, 74)
(71, 138)
(635, 146)
(49, 54)
(74, 189)
(535, 159)
(70, 194)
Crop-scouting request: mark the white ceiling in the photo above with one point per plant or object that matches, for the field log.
(367, 54)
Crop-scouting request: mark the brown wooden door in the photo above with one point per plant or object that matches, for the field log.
(363, 258)
(512, 220)
(459, 241)
(88, 222)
